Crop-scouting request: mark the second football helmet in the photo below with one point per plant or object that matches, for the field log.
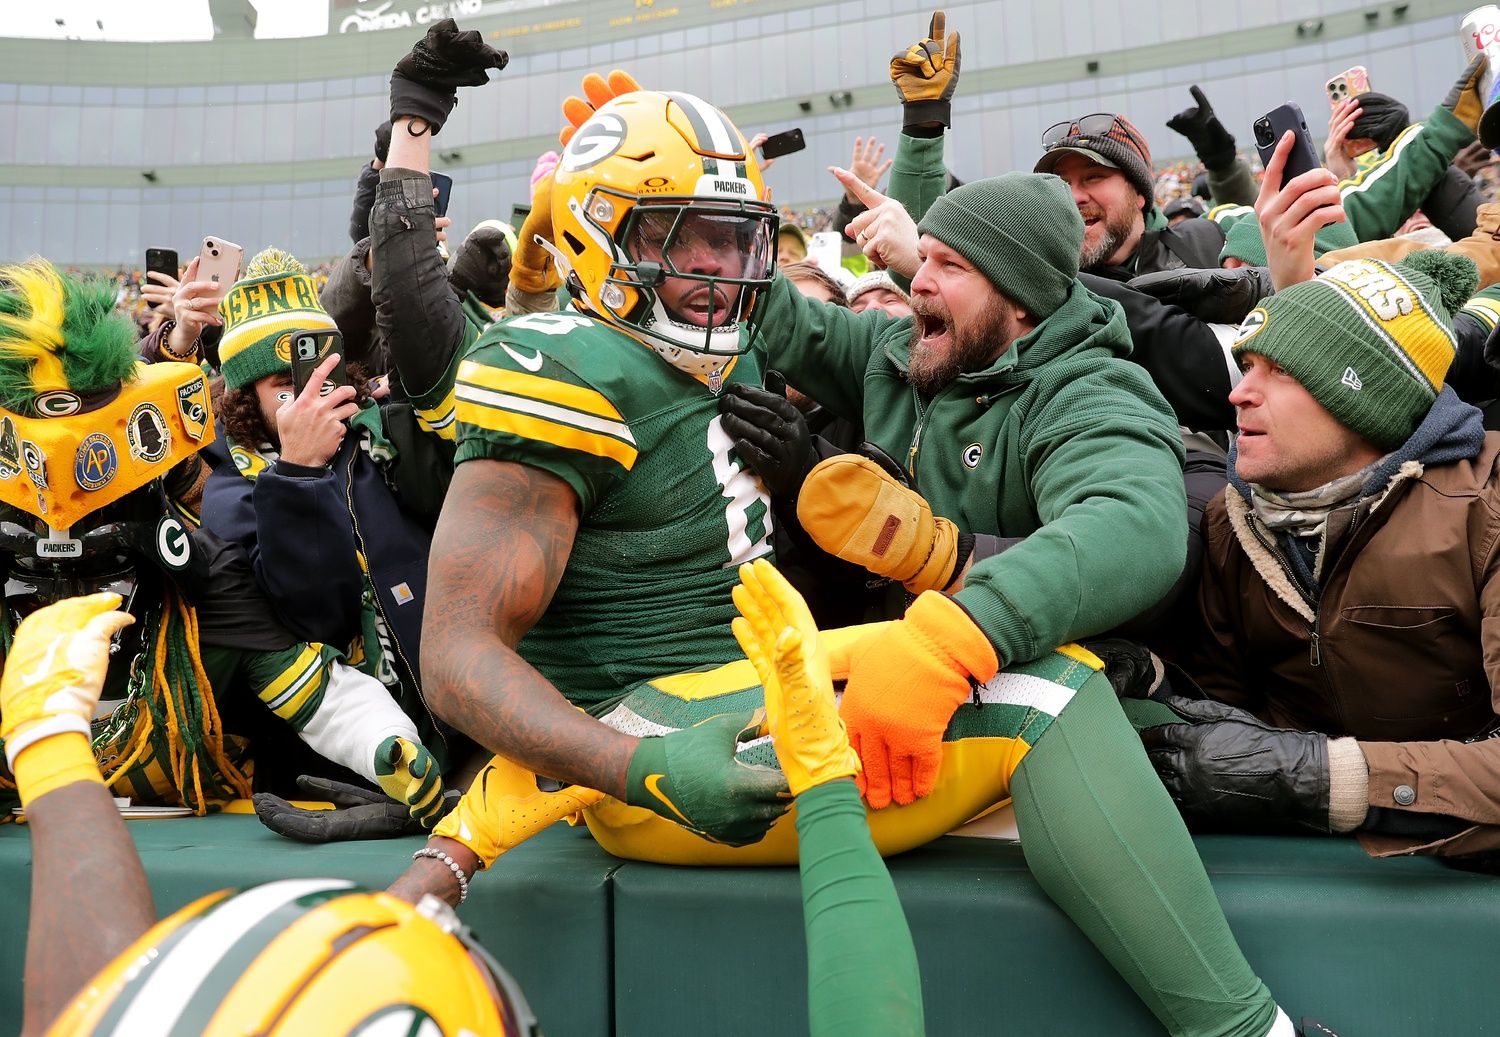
(303, 956)
(661, 223)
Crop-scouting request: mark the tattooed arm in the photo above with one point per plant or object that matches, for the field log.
(497, 556)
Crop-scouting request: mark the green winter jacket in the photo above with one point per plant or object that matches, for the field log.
(1060, 443)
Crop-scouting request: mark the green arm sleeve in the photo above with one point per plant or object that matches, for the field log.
(862, 977)
(1382, 197)
(824, 350)
(1234, 185)
(1103, 461)
(917, 180)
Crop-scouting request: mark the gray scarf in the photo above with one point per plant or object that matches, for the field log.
(1303, 513)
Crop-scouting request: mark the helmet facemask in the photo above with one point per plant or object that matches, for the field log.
(686, 272)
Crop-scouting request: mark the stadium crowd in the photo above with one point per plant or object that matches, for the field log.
(1154, 500)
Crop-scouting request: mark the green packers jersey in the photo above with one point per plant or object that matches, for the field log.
(668, 511)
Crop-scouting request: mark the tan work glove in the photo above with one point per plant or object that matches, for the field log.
(926, 76)
(855, 510)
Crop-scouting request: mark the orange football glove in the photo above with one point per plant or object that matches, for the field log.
(905, 681)
(599, 92)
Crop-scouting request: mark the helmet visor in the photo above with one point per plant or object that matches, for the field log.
(706, 258)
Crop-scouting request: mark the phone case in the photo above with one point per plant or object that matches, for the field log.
(1269, 129)
(1349, 83)
(326, 342)
(219, 261)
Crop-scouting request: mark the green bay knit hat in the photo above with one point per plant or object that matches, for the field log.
(275, 298)
(1021, 230)
(1371, 341)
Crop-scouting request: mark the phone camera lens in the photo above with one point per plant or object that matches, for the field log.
(213, 252)
(1263, 135)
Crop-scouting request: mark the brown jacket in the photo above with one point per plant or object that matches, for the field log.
(1400, 651)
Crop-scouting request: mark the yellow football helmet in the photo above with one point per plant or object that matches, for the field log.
(303, 956)
(661, 223)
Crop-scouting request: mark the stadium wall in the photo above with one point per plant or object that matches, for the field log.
(260, 141)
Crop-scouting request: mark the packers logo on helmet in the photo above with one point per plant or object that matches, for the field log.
(303, 956)
(661, 221)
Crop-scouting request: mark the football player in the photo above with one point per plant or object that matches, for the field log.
(598, 512)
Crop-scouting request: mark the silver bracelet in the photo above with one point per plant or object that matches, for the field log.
(458, 873)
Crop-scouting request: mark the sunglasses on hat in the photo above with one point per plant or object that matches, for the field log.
(1099, 124)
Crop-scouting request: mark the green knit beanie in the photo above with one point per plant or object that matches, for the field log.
(1242, 240)
(274, 299)
(1021, 230)
(1371, 341)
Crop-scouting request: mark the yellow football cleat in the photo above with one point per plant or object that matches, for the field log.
(780, 639)
(504, 808)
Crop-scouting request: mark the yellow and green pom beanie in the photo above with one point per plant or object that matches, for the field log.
(1371, 341)
(261, 312)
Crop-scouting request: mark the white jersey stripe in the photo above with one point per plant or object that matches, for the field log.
(175, 978)
(522, 405)
(1022, 689)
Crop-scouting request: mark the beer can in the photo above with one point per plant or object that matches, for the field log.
(1480, 33)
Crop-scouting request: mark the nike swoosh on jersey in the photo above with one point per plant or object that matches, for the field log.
(653, 786)
(531, 363)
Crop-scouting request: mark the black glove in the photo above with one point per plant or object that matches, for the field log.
(383, 141)
(362, 813)
(482, 265)
(424, 83)
(1212, 142)
(1133, 671)
(1214, 295)
(1227, 770)
(770, 434)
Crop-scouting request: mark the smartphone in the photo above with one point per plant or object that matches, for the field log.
(1270, 128)
(219, 262)
(161, 261)
(782, 144)
(1349, 83)
(444, 184)
(309, 349)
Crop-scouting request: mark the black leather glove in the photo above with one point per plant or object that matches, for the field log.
(1213, 144)
(482, 265)
(1133, 671)
(770, 434)
(361, 813)
(1214, 295)
(1227, 770)
(425, 81)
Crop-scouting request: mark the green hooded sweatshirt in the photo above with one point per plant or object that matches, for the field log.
(1060, 442)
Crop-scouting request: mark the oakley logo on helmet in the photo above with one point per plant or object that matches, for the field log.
(594, 142)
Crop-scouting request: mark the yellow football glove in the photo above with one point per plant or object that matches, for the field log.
(780, 639)
(532, 269)
(53, 677)
(599, 92)
(407, 773)
(926, 76)
(504, 808)
(853, 509)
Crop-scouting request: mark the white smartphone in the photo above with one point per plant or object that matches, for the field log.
(219, 262)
